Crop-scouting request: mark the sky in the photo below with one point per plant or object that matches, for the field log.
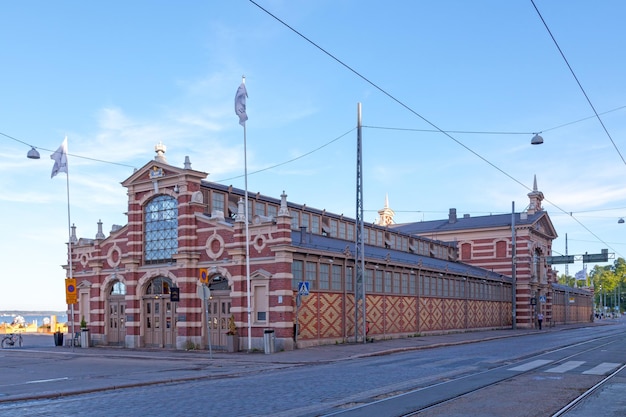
(119, 77)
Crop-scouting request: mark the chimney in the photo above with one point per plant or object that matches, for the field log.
(452, 216)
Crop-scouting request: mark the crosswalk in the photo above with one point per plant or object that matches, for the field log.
(603, 368)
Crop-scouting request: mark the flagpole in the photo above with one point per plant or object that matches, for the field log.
(245, 162)
(240, 110)
(69, 248)
(246, 208)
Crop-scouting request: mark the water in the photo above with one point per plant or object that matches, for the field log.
(39, 317)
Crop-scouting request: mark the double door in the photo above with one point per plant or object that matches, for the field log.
(159, 324)
(219, 313)
(116, 320)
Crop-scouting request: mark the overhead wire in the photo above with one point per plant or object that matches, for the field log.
(423, 118)
(69, 154)
(578, 82)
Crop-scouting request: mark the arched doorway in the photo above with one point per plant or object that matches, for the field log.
(219, 305)
(159, 315)
(116, 320)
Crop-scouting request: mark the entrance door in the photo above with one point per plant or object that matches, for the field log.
(219, 313)
(159, 322)
(116, 331)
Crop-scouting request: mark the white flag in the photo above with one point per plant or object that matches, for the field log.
(240, 104)
(581, 275)
(60, 159)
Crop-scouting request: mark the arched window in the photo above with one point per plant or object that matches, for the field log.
(118, 288)
(161, 229)
(159, 286)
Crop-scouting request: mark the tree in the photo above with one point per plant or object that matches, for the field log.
(608, 282)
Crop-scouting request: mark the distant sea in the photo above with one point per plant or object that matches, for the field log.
(33, 316)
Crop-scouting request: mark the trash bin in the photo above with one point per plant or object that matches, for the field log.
(84, 338)
(268, 341)
(58, 339)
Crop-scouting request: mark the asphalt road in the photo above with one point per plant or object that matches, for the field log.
(43, 380)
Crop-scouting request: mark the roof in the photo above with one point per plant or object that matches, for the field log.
(467, 223)
(338, 246)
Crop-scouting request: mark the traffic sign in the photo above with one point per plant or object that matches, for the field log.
(70, 291)
(204, 276)
(303, 287)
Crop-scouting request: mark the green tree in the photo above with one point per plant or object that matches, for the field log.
(609, 283)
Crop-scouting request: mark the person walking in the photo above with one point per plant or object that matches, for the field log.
(540, 319)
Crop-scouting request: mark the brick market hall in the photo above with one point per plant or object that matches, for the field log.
(142, 284)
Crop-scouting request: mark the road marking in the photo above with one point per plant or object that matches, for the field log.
(602, 369)
(39, 381)
(567, 366)
(531, 365)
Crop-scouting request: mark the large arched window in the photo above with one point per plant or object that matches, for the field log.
(161, 229)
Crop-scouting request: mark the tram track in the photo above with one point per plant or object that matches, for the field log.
(444, 394)
(569, 407)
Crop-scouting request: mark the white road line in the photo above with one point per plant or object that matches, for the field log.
(530, 365)
(602, 369)
(567, 366)
(39, 381)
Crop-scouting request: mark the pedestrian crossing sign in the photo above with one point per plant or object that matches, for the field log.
(303, 288)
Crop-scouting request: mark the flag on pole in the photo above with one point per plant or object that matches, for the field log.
(240, 104)
(60, 159)
(581, 275)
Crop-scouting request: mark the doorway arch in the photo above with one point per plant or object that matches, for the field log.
(159, 314)
(218, 310)
(116, 314)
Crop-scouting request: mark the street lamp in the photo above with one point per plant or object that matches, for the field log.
(33, 153)
(536, 140)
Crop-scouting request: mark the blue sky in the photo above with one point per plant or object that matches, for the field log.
(119, 77)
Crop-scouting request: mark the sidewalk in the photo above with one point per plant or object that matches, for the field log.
(41, 370)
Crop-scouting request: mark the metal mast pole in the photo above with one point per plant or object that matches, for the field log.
(513, 269)
(359, 261)
(567, 284)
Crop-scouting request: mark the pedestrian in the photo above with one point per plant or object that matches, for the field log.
(540, 319)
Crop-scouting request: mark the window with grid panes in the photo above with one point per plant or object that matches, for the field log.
(311, 274)
(295, 220)
(378, 283)
(333, 228)
(161, 229)
(342, 230)
(412, 286)
(387, 282)
(297, 272)
(272, 210)
(218, 202)
(396, 283)
(324, 277)
(350, 231)
(305, 221)
(369, 281)
(315, 224)
(405, 283)
(259, 208)
(335, 282)
(349, 279)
